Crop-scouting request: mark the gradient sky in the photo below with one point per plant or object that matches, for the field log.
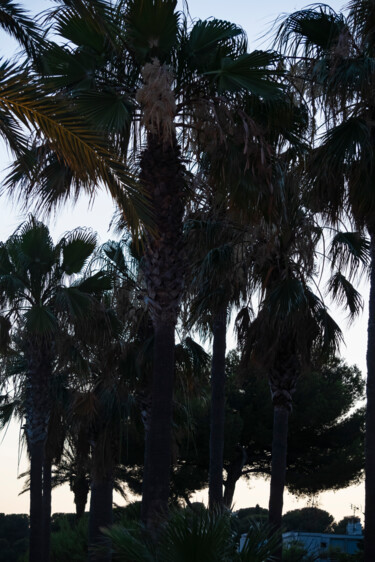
(256, 18)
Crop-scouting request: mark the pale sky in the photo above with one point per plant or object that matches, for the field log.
(256, 18)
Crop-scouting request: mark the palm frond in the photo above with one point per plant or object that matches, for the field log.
(40, 321)
(350, 251)
(345, 294)
(311, 31)
(16, 22)
(77, 247)
(250, 72)
(151, 28)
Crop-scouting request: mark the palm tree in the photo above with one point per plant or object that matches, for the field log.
(157, 83)
(292, 320)
(194, 535)
(239, 185)
(36, 299)
(337, 62)
(216, 283)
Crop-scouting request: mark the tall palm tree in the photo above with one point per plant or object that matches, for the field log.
(159, 84)
(336, 71)
(36, 299)
(239, 185)
(292, 320)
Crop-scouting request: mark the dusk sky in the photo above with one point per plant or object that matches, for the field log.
(256, 18)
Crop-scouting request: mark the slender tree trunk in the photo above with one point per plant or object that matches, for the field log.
(37, 408)
(158, 449)
(101, 500)
(278, 468)
(36, 451)
(370, 419)
(101, 515)
(215, 488)
(47, 497)
(80, 490)
(234, 473)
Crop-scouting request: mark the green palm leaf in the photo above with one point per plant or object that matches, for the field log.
(96, 283)
(82, 149)
(109, 110)
(210, 40)
(73, 301)
(260, 544)
(16, 22)
(77, 247)
(151, 28)
(247, 72)
(41, 321)
(316, 29)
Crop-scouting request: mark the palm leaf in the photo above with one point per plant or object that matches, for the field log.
(40, 320)
(82, 149)
(349, 251)
(77, 247)
(5, 328)
(151, 28)
(194, 537)
(345, 294)
(247, 72)
(206, 40)
(16, 22)
(260, 544)
(108, 111)
(128, 546)
(314, 30)
(96, 283)
(70, 299)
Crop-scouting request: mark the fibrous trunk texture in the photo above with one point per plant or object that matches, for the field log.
(370, 419)
(37, 417)
(162, 175)
(215, 489)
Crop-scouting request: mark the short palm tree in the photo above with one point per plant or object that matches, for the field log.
(337, 73)
(193, 536)
(37, 305)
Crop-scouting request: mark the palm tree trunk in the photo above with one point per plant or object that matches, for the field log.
(278, 468)
(163, 178)
(37, 408)
(101, 515)
(370, 418)
(80, 490)
(234, 473)
(47, 497)
(101, 502)
(36, 451)
(215, 488)
(158, 450)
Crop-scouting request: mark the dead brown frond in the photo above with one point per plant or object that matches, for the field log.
(157, 101)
